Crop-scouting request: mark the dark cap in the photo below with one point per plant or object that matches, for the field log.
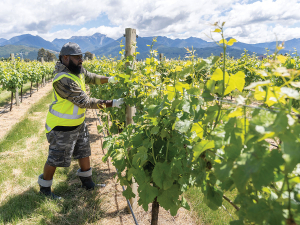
(70, 48)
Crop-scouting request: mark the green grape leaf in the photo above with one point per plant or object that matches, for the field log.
(171, 92)
(162, 175)
(139, 175)
(154, 130)
(210, 85)
(200, 65)
(194, 91)
(169, 199)
(241, 176)
(218, 75)
(231, 41)
(137, 139)
(176, 167)
(201, 147)
(236, 113)
(233, 151)
(197, 127)
(128, 194)
(258, 212)
(147, 193)
(180, 86)
(227, 184)
(184, 203)
(236, 81)
(140, 157)
(223, 170)
(290, 149)
(237, 222)
(213, 197)
(223, 41)
(154, 110)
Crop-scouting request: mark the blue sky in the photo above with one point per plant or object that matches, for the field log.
(248, 21)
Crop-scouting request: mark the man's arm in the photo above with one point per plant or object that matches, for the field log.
(92, 78)
(68, 89)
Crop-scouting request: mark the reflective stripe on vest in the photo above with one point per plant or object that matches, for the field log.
(62, 115)
(47, 127)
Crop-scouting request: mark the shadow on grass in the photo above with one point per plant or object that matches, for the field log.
(20, 206)
(77, 207)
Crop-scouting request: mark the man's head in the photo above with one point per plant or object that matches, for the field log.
(71, 56)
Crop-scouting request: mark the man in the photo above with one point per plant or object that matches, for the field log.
(66, 130)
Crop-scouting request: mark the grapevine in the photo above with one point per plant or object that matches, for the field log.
(186, 134)
(14, 74)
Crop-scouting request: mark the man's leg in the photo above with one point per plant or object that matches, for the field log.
(56, 158)
(85, 173)
(82, 152)
(48, 172)
(45, 181)
(84, 163)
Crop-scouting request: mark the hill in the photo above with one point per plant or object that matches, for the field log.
(86, 43)
(101, 45)
(27, 52)
(30, 41)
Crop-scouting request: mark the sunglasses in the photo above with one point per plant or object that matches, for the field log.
(77, 57)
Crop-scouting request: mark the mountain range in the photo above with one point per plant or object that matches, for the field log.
(101, 45)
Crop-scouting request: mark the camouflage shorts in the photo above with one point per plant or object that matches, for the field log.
(65, 144)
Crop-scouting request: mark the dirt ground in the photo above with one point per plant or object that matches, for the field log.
(114, 203)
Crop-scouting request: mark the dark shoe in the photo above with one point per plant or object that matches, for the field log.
(45, 188)
(87, 183)
(86, 179)
(46, 191)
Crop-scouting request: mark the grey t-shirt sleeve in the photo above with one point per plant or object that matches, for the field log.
(68, 89)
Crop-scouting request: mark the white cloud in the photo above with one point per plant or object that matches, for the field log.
(247, 21)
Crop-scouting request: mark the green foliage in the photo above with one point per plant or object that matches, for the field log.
(46, 55)
(14, 74)
(185, 137)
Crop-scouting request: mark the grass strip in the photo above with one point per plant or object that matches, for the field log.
(26, 128)
(205, 215)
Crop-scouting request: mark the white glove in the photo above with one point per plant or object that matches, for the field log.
(118, 102)
(112, 80)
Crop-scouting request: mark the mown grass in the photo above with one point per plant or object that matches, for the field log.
(22, 158)
(205, 215)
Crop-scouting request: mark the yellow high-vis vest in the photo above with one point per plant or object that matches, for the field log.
(62, 112)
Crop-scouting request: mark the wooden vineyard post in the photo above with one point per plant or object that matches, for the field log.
(161, 57)
(17, 97)
(44, 78)
(130, 35)
(30, 88)
(12, 57)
